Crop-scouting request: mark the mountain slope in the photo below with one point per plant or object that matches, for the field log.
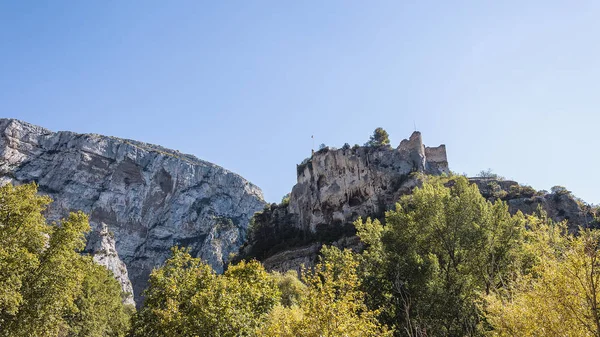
(148, 197)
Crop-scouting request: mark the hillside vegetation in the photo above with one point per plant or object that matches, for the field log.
(445, 262)
(46, 287)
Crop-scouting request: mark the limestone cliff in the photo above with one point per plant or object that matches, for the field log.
(150, 198)
(334, 187)
(337, 186)
(101, 245)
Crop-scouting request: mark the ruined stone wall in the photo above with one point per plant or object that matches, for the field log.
(436, 159)
(414, 149)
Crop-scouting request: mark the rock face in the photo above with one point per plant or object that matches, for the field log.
(101, 245)
(337, 186)
(150, 198)
(295, 258)
(558, 206)
(334, 188)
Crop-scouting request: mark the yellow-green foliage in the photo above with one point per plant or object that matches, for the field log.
(380, 137)
(332, 306)
(560, 296)
(47, 287)
(100, 311)
(291, 288)
(442, 247)
(187, 298)
(22, 238)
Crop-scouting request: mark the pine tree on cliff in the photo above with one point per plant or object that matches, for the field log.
(380, 137)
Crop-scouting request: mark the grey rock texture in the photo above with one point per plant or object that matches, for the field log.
(296, 258)
(101, 245)
(337, 186)
(334, 188)
(558, 206)
(150, 197)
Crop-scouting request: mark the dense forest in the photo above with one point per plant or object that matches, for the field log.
(444, 262)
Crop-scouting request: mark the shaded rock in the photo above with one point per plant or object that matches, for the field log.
(297, 258)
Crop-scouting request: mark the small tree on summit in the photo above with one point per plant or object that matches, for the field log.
(379, 137)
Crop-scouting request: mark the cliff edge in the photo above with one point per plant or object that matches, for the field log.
(146, 197)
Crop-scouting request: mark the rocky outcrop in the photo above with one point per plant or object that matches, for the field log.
(296, 258)
(559, 206)
(101, 245)
(149, 197)
(334, 188)
(337, 186)
(297, 249)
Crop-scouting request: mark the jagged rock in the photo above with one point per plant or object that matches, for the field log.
(334, 188)
(337, 186)
(558, 206)
(101, 245)
(296, 258)
(150, 197)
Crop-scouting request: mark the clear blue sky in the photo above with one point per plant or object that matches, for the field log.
(508, 85)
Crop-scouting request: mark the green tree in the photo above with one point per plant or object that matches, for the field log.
(99, 309)
(441, 247)
(489, 174)
(42, 273)
(186, 297)
(23, 235)
(559, 190)
(291, 288)
(379, 137)
(332, 306)
(560, 296)
(285, 200)
(50, 291)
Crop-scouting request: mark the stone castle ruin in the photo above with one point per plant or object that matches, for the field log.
(337, 186)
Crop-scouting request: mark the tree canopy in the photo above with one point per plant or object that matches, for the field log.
(444, 262)
(333, 304)
(186, 297)
(378, 138)
(46, 287)
(561, 294)
(440, 248)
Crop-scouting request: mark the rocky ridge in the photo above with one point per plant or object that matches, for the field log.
(559, 205)
(101, 246)
(335, 187)
(142, 198)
